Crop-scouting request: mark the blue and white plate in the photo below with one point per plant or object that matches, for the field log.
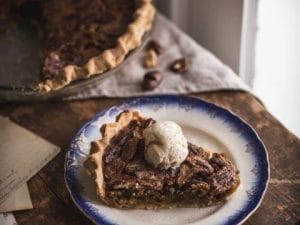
(203, 124)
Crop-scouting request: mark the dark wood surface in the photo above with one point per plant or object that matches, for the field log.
(59, 121)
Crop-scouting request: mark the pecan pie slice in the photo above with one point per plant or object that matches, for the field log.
(82, 37)
(124, 179)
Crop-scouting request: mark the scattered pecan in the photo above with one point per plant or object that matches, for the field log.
(150, 59)
(152, 80)
(155, 46)
(179, 65)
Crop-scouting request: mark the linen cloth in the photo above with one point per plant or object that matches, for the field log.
(205, 71)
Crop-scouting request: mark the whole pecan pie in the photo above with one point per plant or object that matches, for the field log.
(82, 37)
(124, 179)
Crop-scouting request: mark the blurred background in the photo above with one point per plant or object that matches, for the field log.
(258, 39)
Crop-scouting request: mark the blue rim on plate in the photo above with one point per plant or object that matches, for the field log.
(258, 149)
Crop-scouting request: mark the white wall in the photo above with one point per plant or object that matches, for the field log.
(215, 24)
(277, 78)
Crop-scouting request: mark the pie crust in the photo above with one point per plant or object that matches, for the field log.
(109, 58)
(95, 165)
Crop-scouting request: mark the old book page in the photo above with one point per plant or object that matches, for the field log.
(22, 154)
(19, 200)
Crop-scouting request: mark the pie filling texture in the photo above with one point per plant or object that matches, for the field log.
(125, 180)
(82, 38)
(88, 27)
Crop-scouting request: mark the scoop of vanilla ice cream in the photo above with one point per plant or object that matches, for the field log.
(165, 145)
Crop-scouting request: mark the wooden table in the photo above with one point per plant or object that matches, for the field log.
(59, 121)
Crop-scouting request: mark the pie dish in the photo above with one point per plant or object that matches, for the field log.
(82, 38)
(125, 180)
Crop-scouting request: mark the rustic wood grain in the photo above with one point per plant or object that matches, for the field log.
(59, 121)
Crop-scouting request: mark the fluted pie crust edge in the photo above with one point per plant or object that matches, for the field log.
(94, 162)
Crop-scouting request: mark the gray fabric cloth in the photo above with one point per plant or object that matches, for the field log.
(205, 71)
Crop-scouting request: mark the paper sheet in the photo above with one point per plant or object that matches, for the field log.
(19, 200)
(23, 154)
(7, 219)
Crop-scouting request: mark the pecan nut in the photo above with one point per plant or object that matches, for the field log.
(154, 45)
(152, 80)
(150, 59)
(179, 65)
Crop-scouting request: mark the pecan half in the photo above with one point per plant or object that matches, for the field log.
(179, 65)
(200, 165)
(150, 59)
(186, 171)
(152, 80)
(155, 46)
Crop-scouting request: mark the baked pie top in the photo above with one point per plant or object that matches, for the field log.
(76, 31)
(83, 38)
(124, 179)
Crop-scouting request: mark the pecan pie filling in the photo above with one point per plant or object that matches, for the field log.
(89, 27)
(81, 38)
(130, 180)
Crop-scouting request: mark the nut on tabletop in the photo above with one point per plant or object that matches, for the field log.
(179, 65)
(152, 80)
(154, 45)
(150, 59)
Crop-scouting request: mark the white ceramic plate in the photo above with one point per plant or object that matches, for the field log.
(203, 124)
